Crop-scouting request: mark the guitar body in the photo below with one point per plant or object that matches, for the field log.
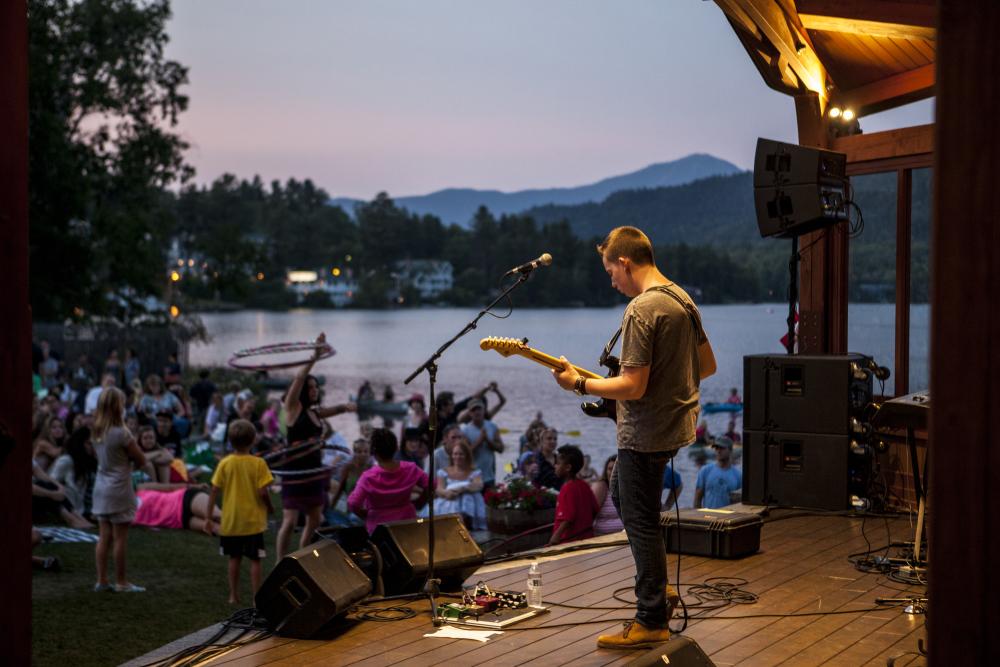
(603, 407)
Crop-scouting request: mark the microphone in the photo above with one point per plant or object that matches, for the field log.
(544, 260)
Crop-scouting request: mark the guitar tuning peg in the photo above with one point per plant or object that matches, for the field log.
(524, 341)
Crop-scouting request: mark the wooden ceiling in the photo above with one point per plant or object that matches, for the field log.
(868, 55)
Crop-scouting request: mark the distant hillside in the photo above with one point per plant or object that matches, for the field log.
(457, 205)
(717, 211)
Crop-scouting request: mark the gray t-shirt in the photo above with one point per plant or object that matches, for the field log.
(113, 491)
(658, 331)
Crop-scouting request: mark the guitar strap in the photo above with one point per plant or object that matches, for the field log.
(692, 311)
(689, 308)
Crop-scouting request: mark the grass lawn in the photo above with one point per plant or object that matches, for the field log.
(185, 578)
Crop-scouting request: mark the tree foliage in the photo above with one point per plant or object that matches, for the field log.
(102, 100)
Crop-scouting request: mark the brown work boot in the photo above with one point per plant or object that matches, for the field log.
(634, 635)
(673, 599)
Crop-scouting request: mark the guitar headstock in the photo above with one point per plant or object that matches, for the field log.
(505, 346)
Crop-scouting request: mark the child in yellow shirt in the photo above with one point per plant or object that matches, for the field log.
(244, 480)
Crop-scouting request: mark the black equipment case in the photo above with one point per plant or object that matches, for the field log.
(712, 533)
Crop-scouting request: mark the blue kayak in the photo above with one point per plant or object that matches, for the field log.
(709, 408)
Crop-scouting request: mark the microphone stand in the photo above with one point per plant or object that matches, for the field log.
(432, 584)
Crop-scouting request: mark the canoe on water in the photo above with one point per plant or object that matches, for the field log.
(382, 408)
(709, 408)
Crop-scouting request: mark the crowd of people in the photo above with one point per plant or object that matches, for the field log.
(115, 449)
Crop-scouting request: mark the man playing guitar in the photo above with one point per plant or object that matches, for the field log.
(664, 356)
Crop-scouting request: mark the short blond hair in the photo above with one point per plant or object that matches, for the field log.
(629, 242)
(242, 434)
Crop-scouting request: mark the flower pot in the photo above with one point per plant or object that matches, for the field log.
(512, 522)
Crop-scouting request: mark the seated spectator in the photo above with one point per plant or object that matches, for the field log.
(184, 416)
(587, 473)
(531, 437)
(229, 398)
(270, 421)
(166, 435)
(414, 448)
(50, 563)
(172, 370)
(175, 505)
(201, 394)
(90, 402)
(576, 506)
(351, 472)
(527, 467)
(132, 368)
(159, 460)
(607, 520)
(672, 484)
(157, 399)
(50, 443)
(701, 434)
(75, 471)
(449, 436)
(718, 482)
(416, 414)
(215, 415)
(113, 366)
(49, 497)
(383, 491)
(732, 433)
(547, 475)
(459, 488)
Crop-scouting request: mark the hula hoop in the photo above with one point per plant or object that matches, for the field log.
(238, 362)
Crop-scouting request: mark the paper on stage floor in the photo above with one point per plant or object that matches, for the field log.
(450, 632)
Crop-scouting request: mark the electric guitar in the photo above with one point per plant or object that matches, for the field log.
(507, 347)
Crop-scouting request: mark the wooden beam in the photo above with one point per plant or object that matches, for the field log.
(917, 13)
(15, 340)
(904, 142)
(782, 30)
(964, 474)
(870, 28)
(902, 88)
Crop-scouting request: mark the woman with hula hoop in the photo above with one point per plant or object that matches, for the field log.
(305, 418)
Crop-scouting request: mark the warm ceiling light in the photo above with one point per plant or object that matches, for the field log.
(835, 112)
(848, 115)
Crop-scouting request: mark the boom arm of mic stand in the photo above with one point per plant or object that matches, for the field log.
(431, 583)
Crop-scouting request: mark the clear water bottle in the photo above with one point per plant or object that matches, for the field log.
(534, 586)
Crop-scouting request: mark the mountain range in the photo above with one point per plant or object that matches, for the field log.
(458, 205)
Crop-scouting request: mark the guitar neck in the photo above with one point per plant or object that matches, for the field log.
(552, 362)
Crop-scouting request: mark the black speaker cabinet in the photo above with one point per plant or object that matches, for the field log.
(798, 469)
(805, 393)
(309, 588)
(680, 651)
(403, 548)
(797, 189)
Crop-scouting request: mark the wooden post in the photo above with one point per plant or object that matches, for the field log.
(965, 339)
(823, 272)
(15, 340)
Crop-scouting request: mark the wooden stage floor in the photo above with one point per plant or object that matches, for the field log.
(802, 567)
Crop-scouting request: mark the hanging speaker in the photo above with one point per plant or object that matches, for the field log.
(403, 548)
(798, 189)
(309, 589)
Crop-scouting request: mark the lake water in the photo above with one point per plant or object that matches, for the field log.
(384, 347)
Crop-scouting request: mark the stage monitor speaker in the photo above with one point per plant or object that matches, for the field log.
(796, 469)
(798, 189)
(680, 651)
(805, 393)
(403, 548)
(310, 588)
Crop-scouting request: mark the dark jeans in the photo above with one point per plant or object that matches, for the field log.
(636, 484)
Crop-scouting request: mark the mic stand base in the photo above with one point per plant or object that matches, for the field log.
(431, 588)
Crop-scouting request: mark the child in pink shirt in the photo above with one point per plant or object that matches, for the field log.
(383, 491)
